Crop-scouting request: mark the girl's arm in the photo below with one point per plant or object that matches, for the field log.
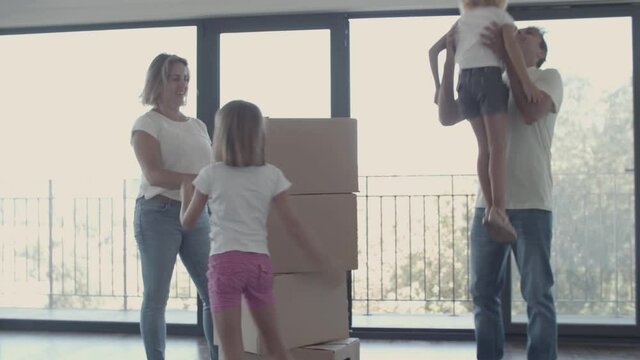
(448, 109)
(516, 59)
(295, 229)
(434, 51)
(193, 203)
(147, 150)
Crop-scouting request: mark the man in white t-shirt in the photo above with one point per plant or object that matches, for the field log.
(528, 202)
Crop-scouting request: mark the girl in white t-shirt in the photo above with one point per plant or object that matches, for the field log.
(239, 188)
(483, 97)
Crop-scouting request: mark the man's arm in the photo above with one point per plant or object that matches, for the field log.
(531, 112)
(448, 110)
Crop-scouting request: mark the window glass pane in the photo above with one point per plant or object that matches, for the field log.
(593, 247)
(417, 182)
(285, 73)
(67, 249)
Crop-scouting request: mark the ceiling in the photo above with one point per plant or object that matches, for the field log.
(35, 13)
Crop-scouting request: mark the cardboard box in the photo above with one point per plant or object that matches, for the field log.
(318, 156)
(309, 312)
(346, 349)
(331, 221)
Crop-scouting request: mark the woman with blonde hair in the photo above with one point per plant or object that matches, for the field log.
(171, 148)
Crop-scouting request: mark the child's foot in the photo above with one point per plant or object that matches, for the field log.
(499, 227)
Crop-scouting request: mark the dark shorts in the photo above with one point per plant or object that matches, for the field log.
(481, 91)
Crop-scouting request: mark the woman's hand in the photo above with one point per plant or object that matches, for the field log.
(187, 188)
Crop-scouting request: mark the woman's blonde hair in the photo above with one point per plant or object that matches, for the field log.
(238, 138)
(470, 4)
(157, 77)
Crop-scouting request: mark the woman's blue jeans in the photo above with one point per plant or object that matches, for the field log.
(532, 251)
(160, 239)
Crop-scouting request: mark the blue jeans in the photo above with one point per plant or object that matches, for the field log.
(488, 263)
(160, 238)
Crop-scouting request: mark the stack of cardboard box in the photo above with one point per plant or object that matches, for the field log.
(319, 157)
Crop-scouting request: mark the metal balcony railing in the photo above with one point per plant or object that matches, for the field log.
(414, 246)
(74, 251)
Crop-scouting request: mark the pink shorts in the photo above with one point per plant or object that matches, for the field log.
(234, 273)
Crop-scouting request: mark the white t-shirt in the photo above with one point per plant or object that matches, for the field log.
(239, 201)
(185, 147)
(470, 53)
(528, 175)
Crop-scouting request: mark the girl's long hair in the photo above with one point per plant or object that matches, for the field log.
(238, 138)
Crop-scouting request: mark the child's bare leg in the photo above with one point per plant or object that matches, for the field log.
(267, 323)
(496, 126)
(482, 165)
(229, 331)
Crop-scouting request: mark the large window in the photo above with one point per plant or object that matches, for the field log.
(285, 73)
(69, 174)
(418, 181)
(593, 246)
(417, 185)
(67, 249)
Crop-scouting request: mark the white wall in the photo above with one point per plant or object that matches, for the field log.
(30, 13)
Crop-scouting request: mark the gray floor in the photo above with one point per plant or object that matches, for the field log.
(73, 346)
(413, 321)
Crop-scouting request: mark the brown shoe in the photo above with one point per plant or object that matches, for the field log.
(499, 227)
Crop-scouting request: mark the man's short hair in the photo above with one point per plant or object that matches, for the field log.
(543, 46)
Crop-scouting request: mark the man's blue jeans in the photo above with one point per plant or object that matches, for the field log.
(488, 263)
(160, 239)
